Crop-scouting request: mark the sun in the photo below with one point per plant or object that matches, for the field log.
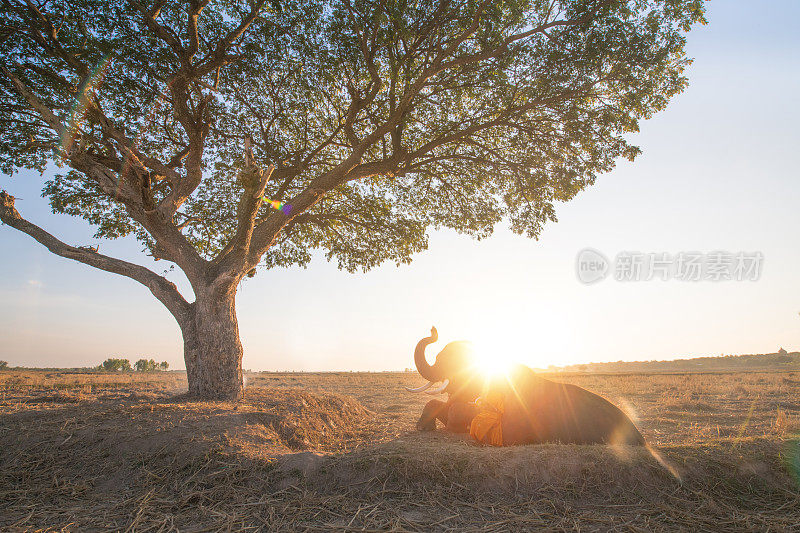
(492, 363)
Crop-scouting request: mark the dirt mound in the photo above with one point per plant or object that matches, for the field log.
(118, 431)
(306, 420)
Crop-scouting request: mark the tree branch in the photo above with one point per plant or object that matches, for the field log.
(162, 288)
(255, 180)
(217, 57)
(162, 32)
(191, 30)
(44, 112)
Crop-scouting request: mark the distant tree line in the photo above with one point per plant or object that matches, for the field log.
(113, 364)
(781, 360)
(148, 365)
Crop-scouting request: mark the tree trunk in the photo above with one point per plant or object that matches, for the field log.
(211, 347)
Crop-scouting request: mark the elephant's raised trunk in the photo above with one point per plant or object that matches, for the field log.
(425, 370)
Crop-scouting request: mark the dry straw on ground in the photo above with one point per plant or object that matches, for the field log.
(337, 451)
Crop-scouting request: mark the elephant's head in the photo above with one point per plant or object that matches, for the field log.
(454, 367)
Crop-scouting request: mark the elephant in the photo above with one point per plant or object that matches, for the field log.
(532, 410)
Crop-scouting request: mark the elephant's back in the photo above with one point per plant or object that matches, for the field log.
(540, 410)
(596, 419)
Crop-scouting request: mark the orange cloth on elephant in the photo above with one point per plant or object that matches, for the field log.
(487, 425)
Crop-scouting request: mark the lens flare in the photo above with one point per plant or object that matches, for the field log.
(280, 206)
(791, 457)
(78, 111)
(663, 462)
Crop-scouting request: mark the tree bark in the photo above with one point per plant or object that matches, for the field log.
(211, 346)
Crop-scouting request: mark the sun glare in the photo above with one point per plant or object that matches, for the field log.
(493, 363)
(538, 341)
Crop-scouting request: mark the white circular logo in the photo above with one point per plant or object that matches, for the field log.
(591, 266)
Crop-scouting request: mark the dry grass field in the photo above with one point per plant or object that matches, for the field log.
(127, 452)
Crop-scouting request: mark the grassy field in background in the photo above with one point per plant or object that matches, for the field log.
(338, 451)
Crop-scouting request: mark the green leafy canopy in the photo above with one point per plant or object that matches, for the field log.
(382, 118)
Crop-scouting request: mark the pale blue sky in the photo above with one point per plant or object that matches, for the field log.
(719, 172)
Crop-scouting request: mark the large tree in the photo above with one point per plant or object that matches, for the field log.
(374, 120)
